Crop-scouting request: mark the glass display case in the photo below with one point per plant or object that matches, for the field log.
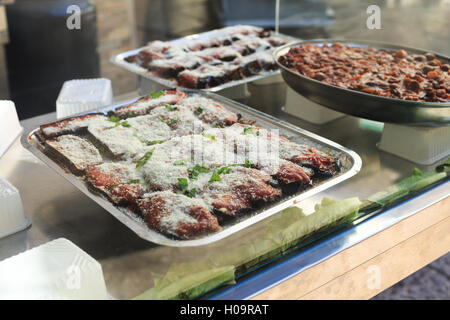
(386, 193)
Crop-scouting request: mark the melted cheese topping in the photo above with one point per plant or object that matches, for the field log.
(212, 57)
(184, 60)
(177, 209)
(121, 141)
(119, 172)
(150, 128)
(79, 151)
(262, 57)
(204, 71)
(71, 125)
(210, 111)
(143, 105)
(260, 148)
(163, 175)
(290, 149)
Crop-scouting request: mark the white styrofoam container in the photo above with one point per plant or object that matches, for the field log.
(10, 127)
(78, 96)
(423, 145)
(303, 108)
(55, 270)
(12, 216)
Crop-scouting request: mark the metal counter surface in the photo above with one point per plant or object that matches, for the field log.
(57, 209)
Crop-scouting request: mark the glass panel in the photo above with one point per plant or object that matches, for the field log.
(283, 235)
(414, 23)
(135, 268)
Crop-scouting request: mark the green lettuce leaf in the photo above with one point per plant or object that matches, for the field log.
(289, 229)
(417, 181)
(327, 214)
(187, 281)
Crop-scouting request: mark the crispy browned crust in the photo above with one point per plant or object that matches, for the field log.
(155, 208)
(245, 188)
(115, 189)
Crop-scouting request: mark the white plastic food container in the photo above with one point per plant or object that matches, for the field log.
(12, 216)
(55, 270)
(10, 127)
(422, 145)
(303, 108)
(78, 96)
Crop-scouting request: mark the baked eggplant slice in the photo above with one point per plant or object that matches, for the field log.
(73, 152)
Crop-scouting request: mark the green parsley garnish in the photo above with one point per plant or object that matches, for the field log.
(249, 130)
(191, 193)
(170, 108)
(117, 122)
(216, 174)
(114, 119)
(156, 95)
(140, 138)
(248, 164)
(198, 111)
(134, 181)
(195, 171)
(215, 177)
(132, 115)
(182, 184)
(151, 143)
(169, 122)
(224, 170)
(208, 136)
(179, 162)
(144, 159)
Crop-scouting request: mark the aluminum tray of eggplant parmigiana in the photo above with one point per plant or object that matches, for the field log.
(210, 61)
(188, 169)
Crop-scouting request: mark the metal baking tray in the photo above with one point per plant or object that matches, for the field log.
(350, 165)
(365, 105)
(120, 60)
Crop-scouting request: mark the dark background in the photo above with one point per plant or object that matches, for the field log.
(42, 53)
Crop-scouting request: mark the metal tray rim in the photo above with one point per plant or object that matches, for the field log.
(119, 60)
(278, 52)
(155, 237)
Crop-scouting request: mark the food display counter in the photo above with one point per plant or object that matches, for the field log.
(338, 186)
(390, 219)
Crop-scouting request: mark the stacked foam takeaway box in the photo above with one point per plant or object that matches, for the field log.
(55, 270)
(12, 216)
(10, 127)
(78, 96)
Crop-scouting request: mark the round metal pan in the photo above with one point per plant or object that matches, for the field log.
(364, 105)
